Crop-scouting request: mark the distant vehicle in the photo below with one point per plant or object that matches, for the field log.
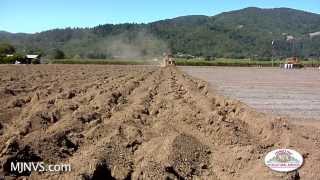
(292, 63)
(168, 60)
(17, 62)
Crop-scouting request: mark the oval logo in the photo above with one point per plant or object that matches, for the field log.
(283, 160)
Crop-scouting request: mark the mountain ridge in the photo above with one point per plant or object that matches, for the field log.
(240, 33)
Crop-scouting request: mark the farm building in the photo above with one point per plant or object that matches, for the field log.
(29, 59)
(33, 59)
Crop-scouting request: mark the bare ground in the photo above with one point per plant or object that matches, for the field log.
(294, 93)
(139, 122)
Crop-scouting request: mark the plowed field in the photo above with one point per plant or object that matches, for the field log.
(294, 93)
(138, 122)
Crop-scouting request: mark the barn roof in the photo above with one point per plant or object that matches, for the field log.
(32, 56)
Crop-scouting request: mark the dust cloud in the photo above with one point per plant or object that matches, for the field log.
(133, 45)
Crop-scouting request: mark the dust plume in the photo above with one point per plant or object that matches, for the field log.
(133, 45)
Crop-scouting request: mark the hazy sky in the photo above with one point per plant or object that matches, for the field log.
(38, 15)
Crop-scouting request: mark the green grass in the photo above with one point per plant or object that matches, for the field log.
(184, 62)
(225, 62)
(238, 62)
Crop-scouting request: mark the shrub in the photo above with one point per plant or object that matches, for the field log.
(12, 59)
(7, 60)
(58, 54)
(35, 61)
(209, 58)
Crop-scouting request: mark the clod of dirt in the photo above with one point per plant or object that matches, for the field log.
(115, 97)
(12, 146)
(51, 117)
(101, 171)
(189, 157)
(9, 91)
(179, 156)
(18, 102)
(73, 107)
(293, 176)
(67, 95)
(51, 101)
(118, 157)
(133, 137)
(86, 117)
(1, 128)
(67, 146)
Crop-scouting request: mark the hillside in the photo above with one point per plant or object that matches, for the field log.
(242, 33)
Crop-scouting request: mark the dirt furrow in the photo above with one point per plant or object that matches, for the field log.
(114, 142)
(69, 138)
(136, 122)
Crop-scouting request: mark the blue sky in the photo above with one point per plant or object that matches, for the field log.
(38, 15)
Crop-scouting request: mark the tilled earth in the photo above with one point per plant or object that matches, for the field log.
(294, 93)
(138, 122)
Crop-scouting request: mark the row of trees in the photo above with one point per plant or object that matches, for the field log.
(8, 55)
(7, 49)
(246, 33)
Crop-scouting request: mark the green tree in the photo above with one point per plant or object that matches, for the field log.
(7, 49)
(58, 54)
(12, 59)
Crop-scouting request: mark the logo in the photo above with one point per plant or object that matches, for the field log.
(283, 160)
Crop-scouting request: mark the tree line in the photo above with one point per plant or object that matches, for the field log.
(246, 33)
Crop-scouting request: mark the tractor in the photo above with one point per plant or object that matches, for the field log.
(168, 60)
(292, 63)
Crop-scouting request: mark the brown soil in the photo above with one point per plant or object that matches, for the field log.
(139, 122)
(294, 93)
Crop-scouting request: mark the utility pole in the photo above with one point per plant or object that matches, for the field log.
(272, 53)
(319, 60)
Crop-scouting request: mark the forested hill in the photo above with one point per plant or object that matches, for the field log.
(242, 33)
